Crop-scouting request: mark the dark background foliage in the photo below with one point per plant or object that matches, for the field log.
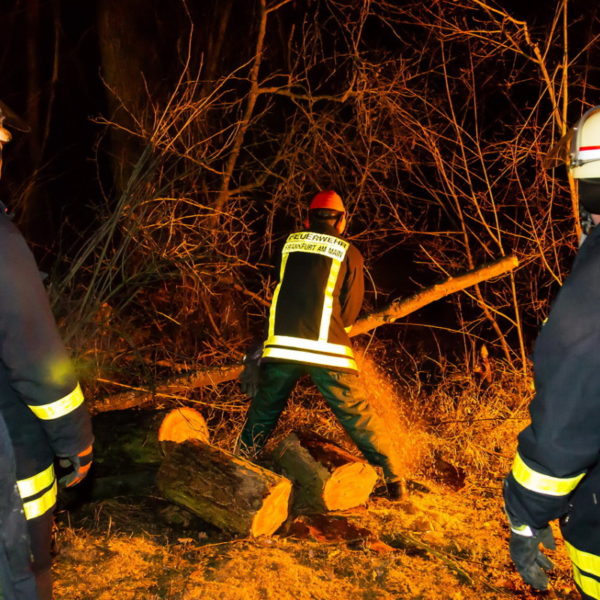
(172, 145)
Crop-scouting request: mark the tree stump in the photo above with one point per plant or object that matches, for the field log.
(327, 477)
(225, 490)
(126, 440)
(128, 449)
(182, 424)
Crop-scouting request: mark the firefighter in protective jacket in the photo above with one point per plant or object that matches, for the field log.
(556, 471)
(40, 398)
(315, 303)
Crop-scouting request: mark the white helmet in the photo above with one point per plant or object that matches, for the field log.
(584, 155)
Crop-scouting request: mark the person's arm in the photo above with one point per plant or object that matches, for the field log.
(32, 351)
(353, 288)
(563, 440)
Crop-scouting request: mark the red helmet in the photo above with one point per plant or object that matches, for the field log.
(327, 199)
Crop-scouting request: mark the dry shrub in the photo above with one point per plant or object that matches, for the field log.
(473, 422)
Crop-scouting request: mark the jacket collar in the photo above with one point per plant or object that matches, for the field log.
(326, 229)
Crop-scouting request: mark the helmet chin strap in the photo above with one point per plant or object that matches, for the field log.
(585, 218)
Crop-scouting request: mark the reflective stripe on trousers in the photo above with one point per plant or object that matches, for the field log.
(38, 492)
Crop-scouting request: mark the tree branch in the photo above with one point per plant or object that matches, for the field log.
(396, 310)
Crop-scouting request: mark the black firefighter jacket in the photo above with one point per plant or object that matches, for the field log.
(561, 446)
(319, 295)
(40, 398)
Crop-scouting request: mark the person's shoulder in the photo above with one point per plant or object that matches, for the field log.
(13, 247)
(587, 259)
(353, 253)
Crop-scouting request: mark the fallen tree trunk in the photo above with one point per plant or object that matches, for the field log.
(392, 312)
(326, 476)
(138, 396)
(225, 490)
(405, 306)
(129, 447)
(127, 440)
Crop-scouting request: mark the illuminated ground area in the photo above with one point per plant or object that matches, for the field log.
(447, 540)
(447, 544)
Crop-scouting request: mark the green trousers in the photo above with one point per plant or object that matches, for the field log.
(343, 395)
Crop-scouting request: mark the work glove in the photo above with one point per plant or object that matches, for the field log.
(529, 560)
(79, 466)
(250, 375)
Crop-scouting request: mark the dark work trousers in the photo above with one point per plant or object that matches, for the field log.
(16, 577)
(581, 529)
(40, 532)
(344, 396)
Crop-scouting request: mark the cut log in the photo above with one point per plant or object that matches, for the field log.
(326, 476)
(225, 490)
(126, 440)
(128, 449)
(137, 396)
(182, 424)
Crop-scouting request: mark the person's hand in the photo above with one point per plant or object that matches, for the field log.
(79, 465)
(527, 556)
(250, 375)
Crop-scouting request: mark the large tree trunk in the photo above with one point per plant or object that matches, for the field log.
(225, 490)
(128, 440)
(326, 476)
(128, 41)
(129, 448)
(392, 312)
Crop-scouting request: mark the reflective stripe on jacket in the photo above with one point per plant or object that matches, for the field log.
(318, 298)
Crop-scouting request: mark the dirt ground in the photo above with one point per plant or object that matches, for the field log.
(437, 544)
(446, 539)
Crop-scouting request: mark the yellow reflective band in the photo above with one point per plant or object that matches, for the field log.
(316, 243)
(309, 357)
(590, 563)
(588, 585)
(523, 530)
(60, 408)
(37, 507)
(543, 484)
(303, 344)
(36, 483)
(328, 301)
(276, 296)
